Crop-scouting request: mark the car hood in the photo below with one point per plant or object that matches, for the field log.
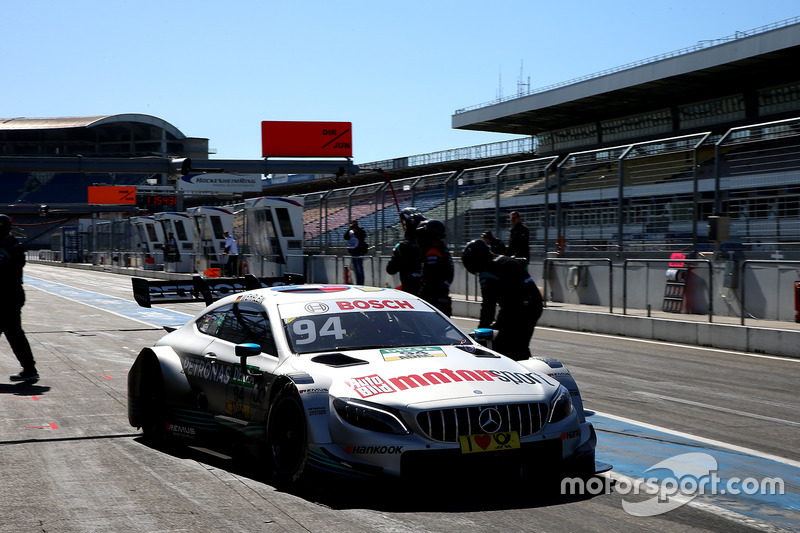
(430, 374)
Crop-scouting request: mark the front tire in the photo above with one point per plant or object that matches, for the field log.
(287, 436)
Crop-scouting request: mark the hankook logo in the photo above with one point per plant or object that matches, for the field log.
(489, 420)
(317, 307)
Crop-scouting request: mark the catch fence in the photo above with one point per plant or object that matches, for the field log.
(652, 197)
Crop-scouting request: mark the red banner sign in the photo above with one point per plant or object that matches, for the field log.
(112, 195)
(306, 139)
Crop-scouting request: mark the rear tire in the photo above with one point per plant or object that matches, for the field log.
(151, 400)
(287, 436)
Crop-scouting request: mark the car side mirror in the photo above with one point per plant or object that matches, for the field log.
(483, 336)
(245, 350)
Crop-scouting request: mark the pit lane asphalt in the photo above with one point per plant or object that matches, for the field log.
(70, 461)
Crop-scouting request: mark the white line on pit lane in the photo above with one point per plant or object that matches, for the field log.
(141, 315)
(715, 408)
(711, 442)
(676, 345)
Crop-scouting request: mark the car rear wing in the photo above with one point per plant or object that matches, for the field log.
(198, 289)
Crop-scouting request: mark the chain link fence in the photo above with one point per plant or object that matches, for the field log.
(652, 196)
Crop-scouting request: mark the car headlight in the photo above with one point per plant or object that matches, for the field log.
(370, 416)
(561, 406)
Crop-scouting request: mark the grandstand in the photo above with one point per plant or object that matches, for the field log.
(633, 159)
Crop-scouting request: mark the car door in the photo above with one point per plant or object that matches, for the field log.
(199, 359)
(240, 393)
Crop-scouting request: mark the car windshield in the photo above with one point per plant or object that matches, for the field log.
(370, 329)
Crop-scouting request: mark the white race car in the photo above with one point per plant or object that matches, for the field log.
(358, 380)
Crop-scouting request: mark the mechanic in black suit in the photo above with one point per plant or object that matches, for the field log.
(406, 257)
(437, 265)
(505, 282)
(12, 259)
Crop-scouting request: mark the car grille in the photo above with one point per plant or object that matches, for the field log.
(447, 425)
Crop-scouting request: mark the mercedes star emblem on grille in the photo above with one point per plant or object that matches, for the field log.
(489, 420)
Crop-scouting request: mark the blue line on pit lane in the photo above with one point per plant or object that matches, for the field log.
(633, 449)
(127, 308)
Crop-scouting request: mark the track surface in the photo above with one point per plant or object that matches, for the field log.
(71, 462)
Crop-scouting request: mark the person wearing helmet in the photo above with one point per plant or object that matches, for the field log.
(495, 244)
(406, 257)
(12, 259)
(437, 265)
(505, 282)
(476, 258)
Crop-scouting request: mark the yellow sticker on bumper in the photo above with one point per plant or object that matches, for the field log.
(484, 442)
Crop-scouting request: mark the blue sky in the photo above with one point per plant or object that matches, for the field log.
(397, 71)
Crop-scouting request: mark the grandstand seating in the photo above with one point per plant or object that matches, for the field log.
(659, 202)
(531, 187)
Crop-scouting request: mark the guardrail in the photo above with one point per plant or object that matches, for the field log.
(548, 260)
(710, 280)
(742, 278)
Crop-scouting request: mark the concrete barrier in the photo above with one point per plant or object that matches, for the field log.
(767, 340)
